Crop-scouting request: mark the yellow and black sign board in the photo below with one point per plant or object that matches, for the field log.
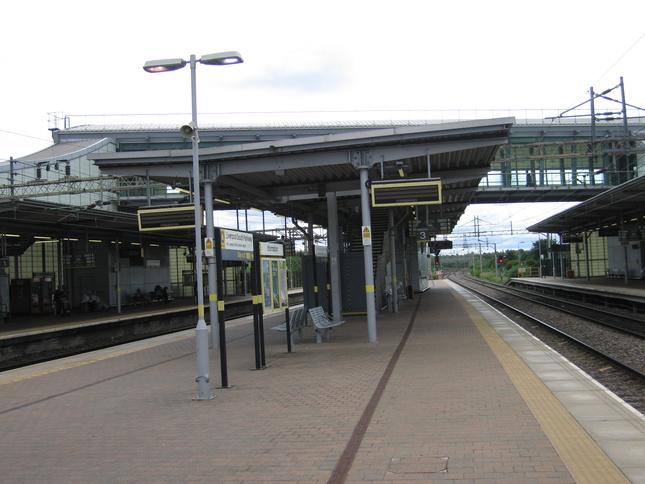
(167, 217)
(392, 193)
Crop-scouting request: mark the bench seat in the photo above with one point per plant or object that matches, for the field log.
(322, 322)
(297, 322)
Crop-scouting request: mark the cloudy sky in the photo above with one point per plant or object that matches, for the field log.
(313, 60)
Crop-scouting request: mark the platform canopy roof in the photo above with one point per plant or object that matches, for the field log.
(25, 219)
(623, 204)
(292, 177)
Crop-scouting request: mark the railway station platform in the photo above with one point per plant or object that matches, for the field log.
(452, 393)
(36, 337)
(21, 323)
(597, 290)
(606, 284)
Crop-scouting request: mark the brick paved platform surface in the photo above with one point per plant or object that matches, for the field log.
(430, 402)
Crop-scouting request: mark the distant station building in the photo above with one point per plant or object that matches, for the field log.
(604, 236)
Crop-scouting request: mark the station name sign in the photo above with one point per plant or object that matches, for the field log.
(271, 249)
(236, 245)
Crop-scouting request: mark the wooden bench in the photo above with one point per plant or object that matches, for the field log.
(322, 322)
(297, 321)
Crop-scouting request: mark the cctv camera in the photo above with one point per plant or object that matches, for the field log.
(188, 130)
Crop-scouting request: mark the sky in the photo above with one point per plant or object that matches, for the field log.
(313, 62)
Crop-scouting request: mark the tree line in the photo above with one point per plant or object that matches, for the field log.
(503, 264)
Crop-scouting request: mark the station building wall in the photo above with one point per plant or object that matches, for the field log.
(608, 257)
(626, 257)
(595, 250)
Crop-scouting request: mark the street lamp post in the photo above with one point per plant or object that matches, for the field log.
(519, 256)
(201, 330)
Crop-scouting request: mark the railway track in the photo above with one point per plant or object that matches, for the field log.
(69, 337)
(622, 321)
(606, 344)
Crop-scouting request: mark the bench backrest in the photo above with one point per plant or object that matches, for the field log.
(298, 318)
(318, 314)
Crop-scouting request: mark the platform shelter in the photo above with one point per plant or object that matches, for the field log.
(424, 174)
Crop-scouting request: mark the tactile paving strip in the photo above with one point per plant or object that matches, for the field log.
(585, 460)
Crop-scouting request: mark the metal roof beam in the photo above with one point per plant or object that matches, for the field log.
(394, 153)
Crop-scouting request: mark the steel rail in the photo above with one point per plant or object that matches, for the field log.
(591, 349)
(638, 334)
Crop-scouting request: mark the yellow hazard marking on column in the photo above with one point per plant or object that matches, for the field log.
(212, 297)
(369, 288)
(200, 310)
(584, 459)
(220, 305)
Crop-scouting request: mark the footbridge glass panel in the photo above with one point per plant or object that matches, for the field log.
(575, 164)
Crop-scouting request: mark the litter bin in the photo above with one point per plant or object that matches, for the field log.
(570, 275)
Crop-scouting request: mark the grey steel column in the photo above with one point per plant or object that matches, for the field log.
(201, 330)
(367, 257)
(212, 268)
(552, 256)
(314, 261)
(117, 282)
(540, 255)
(406, 267)
(586, 239)
(624, 244)
(393, 275)
(334, 256)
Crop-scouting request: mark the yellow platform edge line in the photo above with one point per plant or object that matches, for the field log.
(585, 460)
